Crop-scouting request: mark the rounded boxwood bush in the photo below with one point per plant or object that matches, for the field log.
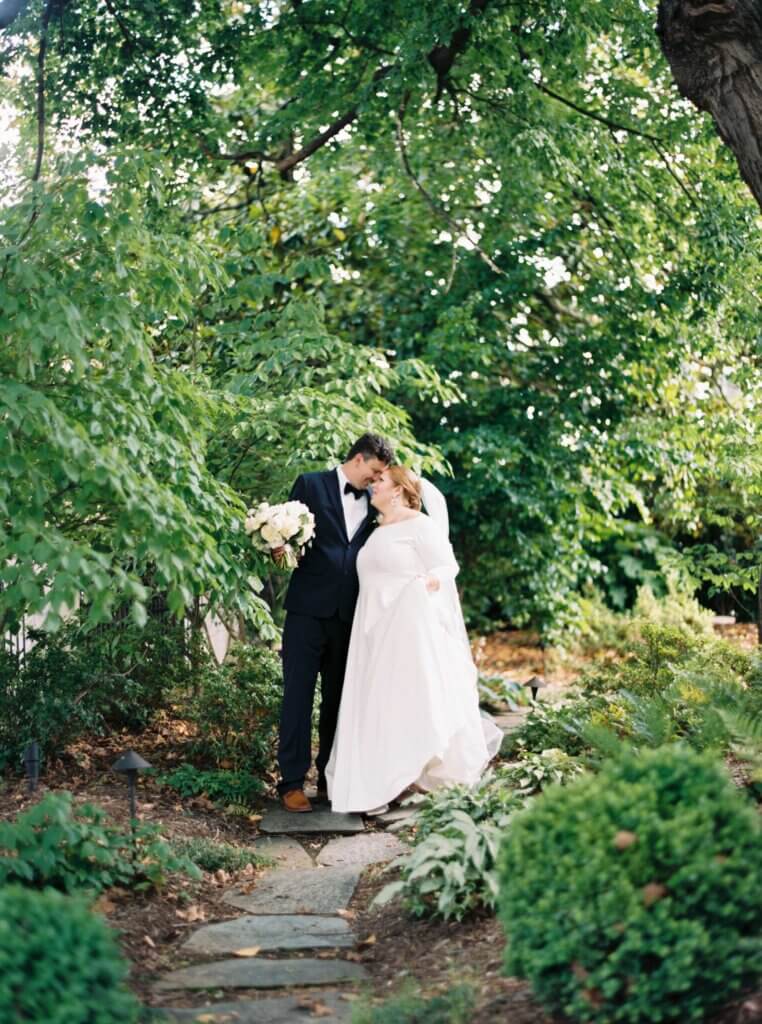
(59, 962)
(636, 894)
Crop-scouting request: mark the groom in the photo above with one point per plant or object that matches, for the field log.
(320, 604)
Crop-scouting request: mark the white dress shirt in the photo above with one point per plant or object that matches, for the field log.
(355, 509)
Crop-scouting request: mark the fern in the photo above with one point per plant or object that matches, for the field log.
(746, 732)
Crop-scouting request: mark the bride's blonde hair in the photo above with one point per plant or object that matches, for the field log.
(411, 488)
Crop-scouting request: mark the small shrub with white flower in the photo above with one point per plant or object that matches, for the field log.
(287, 528)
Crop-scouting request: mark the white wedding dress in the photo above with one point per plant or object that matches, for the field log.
(409, 708)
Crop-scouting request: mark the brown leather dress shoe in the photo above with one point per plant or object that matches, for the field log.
(295, 801)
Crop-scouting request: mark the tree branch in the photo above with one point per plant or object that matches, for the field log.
(37, 171)
(655, 141)
(41, 55)
(594, 115)
(438, 210)
(442, 57)
(285, 164)
(124, 28)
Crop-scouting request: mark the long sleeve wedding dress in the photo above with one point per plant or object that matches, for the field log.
(409, 708)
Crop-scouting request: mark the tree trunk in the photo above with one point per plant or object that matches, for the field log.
(715, 52)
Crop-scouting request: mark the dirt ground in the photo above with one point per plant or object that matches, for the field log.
(396, 950)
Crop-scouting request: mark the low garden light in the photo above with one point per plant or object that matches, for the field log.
(535, 683)
(130, 764)
(31, 761)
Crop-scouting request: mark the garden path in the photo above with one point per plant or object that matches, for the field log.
(300, 905)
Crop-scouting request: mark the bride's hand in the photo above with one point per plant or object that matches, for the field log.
(432, 584)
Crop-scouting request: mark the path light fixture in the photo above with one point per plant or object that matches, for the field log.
(536, 683)
(31, 761)
(130, 764)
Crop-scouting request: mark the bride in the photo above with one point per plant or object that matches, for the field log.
(409, 712)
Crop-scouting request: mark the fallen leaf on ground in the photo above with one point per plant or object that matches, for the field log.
(316, 1008)
(193, 913)
(370, 941)
(247, 951)
(349, 915)
(103, 905)
(149, 941)
(215, 1018)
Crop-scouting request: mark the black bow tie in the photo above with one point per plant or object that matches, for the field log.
(357, 491)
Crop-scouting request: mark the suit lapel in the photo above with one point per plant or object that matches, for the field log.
(331, 483)
(369, 521)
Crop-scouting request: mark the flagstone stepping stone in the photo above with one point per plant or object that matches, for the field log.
(314, 891)
(359, 851)
(288, 854)
(398, 814)
(511, 720)
(257, 973)
(278, 1010)
(279, 821)
(275, 931)
(403, 823)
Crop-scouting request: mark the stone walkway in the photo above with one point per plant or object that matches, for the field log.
(297, 905)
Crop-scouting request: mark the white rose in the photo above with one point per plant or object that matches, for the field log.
(271, 535)
(289, 525)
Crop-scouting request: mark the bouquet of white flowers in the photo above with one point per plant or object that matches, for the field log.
(289, 526)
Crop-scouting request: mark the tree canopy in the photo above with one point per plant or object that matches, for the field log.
(240, 233)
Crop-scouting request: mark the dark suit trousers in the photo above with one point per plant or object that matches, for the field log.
(310, 647)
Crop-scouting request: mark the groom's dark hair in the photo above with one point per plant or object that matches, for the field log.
(371, 446)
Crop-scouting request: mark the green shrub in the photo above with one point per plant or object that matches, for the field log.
(634, 895)
(664, 651)
(678, 609)
(452, 1007)
(596, 626)
(225, 788)
(72, 848)
(212, 855)
(77, 682)
(59, 963)
(673, 687)
(552, 726)
(451, 869)
(235, 711)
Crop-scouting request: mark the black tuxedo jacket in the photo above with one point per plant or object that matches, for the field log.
(325, 582)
